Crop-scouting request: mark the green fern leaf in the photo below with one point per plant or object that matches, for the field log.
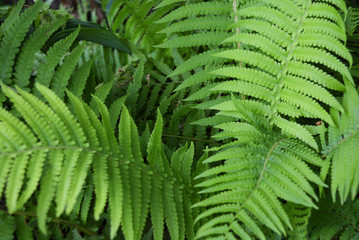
(209, 38)
(14, 35)
(65, 178)
(299, 217)
(205, 23)
(63, 73)
(156, 207)
(199, 60)
(13, 16)
(157, 203)
(26, 57)
(352, 20)
(168, 2)
(53, 56)
(48, 186)
(115, 110)
(94, 131)
(205, 8)
(64, 113)
(132, 179)
(101, 93)
(134, 87)
(78, 80)
(85, 206)
(116, 188)
(7, 226)
(242, 192)
(342, 142)
(288, 55)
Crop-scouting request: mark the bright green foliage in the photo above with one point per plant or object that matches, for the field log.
(66, 147)
(135, 21)
(23, 66)
(198, 25)
(53, 56)
(232, 119)
(284, 74)
(20, 40)
(342, 151)
(12, 38)
(261, 168)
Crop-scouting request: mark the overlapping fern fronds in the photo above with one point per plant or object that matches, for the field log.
(15, 44)
(38, 59)
(341, 220)
(268, 80)
(289, 59)
(56, 149)
(198, 25)
(13, 31)
(294, 52)
(135, 20)
(257, 169)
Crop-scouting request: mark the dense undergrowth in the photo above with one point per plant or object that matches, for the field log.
(180, 119)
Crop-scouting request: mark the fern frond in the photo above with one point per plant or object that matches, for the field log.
(299, 217)
(134, 87)
(63, 73)
(203, 59)
(203, 25)
(200, 23)
(341, 220)
(53, 56)
(55, 150)
(13, 16)
(352, 20)
(85, 205)
(258, 170)
(168, 2)
(249, 182)
(94, 131)
(205, 8)
(342, 150)
(210, 39)
(78, 80)
(26, 56)
(14, 35)
(290, 62)
(136, 21)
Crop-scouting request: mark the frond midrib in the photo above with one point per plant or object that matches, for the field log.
(258, 182)
(293, 45)
(342, 141)
(144, 167)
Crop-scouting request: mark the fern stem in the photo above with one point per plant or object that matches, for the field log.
(259, 179)
(280, 83)
(187, 138)
(143, 167)
(59, 221)
(336, 145)
(237, 32)
(237, 29)
(267, 159)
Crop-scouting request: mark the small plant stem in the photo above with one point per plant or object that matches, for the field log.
(187, 138)
(237, 32)
(59, 221)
